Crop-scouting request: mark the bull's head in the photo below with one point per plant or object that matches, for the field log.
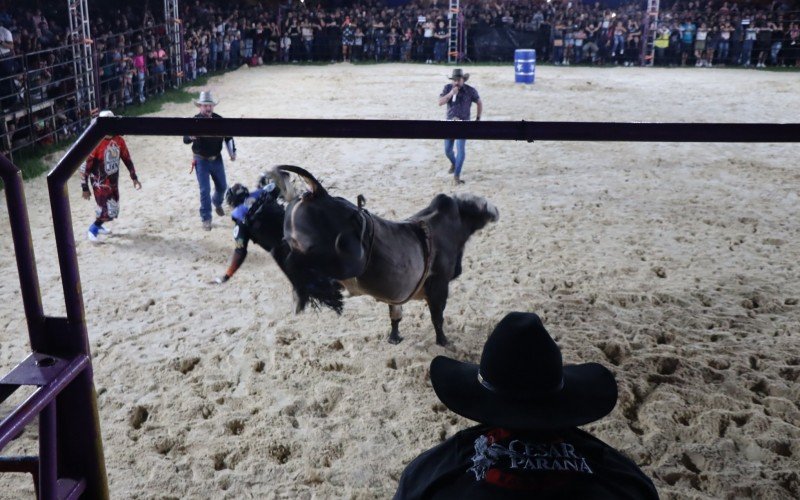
(327, 233)
(476, 211)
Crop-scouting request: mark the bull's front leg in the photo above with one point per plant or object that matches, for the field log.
(436, 292)
(395, 314)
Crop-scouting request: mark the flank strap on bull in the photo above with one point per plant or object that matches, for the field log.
(424, 234)
(367, 226)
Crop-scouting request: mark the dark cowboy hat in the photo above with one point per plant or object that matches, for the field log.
(521, 382)
(459, 73)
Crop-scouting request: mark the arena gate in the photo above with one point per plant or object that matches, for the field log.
(70, 463)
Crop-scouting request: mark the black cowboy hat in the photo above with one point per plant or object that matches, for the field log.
(521, 382)
(459, 73)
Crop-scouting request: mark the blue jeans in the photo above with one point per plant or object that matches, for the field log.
(439, 51)
(458, 158)
(747, 52)
(216, 170)
(558, 54)
(722, 51)
(309, 45)
(619, 43)
(140, 85)
(774, 51)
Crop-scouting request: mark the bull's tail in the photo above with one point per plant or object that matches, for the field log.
(310, 287)
(319, 293)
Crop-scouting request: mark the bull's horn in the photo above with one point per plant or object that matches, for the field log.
(281, 179)
(312, 182)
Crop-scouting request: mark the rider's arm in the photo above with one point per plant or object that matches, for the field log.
(242, 238)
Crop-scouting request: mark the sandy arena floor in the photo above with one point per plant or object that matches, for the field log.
(675, 265)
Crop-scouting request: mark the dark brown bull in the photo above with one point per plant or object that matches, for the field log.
(394, 262)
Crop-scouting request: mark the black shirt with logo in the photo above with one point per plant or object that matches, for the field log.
(493, 463)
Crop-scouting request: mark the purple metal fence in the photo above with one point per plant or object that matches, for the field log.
(71, 456)
(70, 461)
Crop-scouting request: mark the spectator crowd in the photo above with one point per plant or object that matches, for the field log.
(700, 33)
(133, 54)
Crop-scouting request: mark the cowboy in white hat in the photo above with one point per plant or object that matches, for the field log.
(528, 444)
(459, 98)
(207, 161)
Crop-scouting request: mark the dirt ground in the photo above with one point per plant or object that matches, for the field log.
(675, 265)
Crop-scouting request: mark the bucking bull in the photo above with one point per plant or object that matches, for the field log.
(394, 262)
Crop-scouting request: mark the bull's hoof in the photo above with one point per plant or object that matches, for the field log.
(395, 339)
(442, 341)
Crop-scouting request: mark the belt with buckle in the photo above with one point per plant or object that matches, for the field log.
(209, 158)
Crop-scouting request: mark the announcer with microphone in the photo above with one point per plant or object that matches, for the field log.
(459, 98)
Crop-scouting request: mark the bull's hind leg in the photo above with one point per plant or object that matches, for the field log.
(436, 296)
(395, 314)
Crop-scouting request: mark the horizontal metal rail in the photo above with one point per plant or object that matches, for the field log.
(486, 130)
(26, 464)
(29, 409)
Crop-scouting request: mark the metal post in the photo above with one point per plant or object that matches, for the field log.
(96, 83)
(80, 39)
(175, 36)
(462, 36)
(280, 34)
(649, 34)
(80, 453)
(65, 239)
(453, 32)
(28, 107)
(48, 453)
(23, 246)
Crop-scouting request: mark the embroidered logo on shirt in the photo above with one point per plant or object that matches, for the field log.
(111, 157)
(523, 456)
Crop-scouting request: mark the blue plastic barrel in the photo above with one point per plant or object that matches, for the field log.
(524, 65)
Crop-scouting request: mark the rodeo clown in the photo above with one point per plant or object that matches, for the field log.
(102, 169)
(259, 217)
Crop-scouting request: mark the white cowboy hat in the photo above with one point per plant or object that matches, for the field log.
(205, 98)
(106, 113)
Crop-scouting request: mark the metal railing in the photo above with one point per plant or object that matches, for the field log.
(119, 80)
(70, 460)
(38, 101)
